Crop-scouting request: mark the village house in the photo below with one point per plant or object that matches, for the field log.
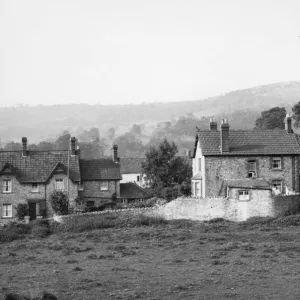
(32, 176)
(133, 184)
(101, 179)
(131, 170)
(245, 164)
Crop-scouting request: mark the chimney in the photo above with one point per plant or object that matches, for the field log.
(288, 123)
(224, 136)
(213, 124)
(115, 153)
(78, 151)
(189, 153)
(73, 140)
(24, 146)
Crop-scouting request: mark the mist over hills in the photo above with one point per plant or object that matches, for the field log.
(241, 107)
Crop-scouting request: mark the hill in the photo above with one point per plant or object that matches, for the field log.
(241, 107)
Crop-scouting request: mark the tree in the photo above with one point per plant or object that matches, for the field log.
(63, 141)
(271, 119)
(163, 169)
(296, 114)
(59, 202)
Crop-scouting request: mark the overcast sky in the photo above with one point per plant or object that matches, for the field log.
(134, 51)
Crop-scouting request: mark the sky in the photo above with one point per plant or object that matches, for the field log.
(140, 51)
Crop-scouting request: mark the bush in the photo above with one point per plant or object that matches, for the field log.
(59, 202)
(13, 231)
(22, 210)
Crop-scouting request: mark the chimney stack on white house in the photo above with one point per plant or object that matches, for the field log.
(24, 146)
(213, 124)
(115, 153)
(288, 123)
(73, 141)
(224, 136)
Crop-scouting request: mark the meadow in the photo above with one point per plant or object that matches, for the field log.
(138, 257)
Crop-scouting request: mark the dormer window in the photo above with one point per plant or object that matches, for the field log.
(34, 188)
(252, 169)
(6, 187)
(59, 185)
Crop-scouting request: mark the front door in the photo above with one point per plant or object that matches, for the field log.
(32, 211)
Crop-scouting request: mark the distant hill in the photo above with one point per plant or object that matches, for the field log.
(46, 122)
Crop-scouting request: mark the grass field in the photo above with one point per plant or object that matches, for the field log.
(256, 259)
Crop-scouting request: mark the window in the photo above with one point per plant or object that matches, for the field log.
(6, 186)
(277, 184)
(276, 163)
(197, 189)
(7, 211)
(104, 185)
(34, 188)
(138, 178)
(252, 168)
(124, 201)
(199, 164)
(59, 185)
(244, 196)
(90, 203)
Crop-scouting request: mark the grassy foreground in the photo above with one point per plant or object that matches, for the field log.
(113, 257)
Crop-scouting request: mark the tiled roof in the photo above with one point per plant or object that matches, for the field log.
(99, 169)
(132, 190)
(248, 183)
(251, 142)
(37, 166)
(131, 164)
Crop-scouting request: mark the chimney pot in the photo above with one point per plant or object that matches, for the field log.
(24, 146)
(213, 124)
(224, 136)
(115, 153)
(73, 141)
(288, 123)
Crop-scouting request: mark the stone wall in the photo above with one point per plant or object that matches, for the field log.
(92, 191)
(50, 188)
(20, 194)
(230, 209)
(220, 168)
(290, 203)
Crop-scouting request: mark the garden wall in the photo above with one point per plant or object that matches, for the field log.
(230, 209)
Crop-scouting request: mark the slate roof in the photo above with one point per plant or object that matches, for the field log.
(132, 190)
(131, 165)
(248, 183)
(251, 142)
(38, 166)
(99, 169)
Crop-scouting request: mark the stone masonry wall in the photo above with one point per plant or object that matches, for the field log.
(50, 188)
(201, 209)
(20, 194)
(218, 169)
(92, 191)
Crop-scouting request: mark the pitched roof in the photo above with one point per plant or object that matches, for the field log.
(248, 183)
(131, 164)
(132, 190)
(38, 166)
(99, 169)
(251, 142)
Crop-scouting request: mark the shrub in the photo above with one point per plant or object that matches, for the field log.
(22, 210)
(13, 231)
(59, 202)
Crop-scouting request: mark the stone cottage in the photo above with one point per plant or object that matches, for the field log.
(32, 176)
(101, 179)
(245, 164)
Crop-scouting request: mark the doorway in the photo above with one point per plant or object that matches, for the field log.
(32, 210)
